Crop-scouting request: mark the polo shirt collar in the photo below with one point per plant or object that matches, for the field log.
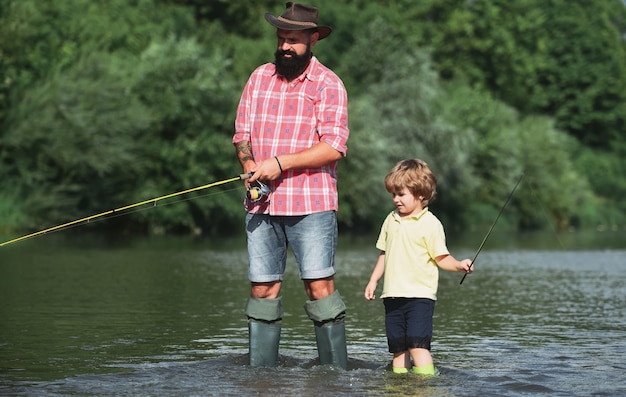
(396, 215)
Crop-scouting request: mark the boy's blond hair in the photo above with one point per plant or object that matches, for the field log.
(415, 176)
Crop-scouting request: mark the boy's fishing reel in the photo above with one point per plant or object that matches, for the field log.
(255, 193)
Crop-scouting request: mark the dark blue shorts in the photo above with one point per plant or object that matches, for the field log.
(409, 323)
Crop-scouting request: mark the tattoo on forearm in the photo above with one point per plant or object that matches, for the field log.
(244, 151)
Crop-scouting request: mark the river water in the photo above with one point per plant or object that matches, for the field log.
(542, 315)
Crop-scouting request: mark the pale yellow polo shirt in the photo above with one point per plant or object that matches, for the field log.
(411, 245)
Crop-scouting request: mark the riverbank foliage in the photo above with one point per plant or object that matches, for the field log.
(106, 103)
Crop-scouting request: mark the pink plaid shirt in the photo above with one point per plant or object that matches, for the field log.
(281, 117)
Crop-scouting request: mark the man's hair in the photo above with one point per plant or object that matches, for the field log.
(415, 176)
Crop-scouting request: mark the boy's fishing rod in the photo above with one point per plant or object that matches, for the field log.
(154, 200)
(493, 224)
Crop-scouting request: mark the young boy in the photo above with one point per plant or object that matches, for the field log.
(413, 246)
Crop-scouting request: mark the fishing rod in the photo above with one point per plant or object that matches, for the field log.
(493, 224)
(154, 201)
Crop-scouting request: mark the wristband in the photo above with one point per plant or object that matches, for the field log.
(279, 166)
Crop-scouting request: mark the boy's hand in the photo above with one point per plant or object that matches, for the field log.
(466, 266)
(370, 290)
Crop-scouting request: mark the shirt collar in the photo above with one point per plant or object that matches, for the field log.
(396, 215)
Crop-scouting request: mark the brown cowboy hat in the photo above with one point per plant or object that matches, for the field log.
(298, 17)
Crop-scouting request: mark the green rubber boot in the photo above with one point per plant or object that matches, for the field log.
(264, 339)
(425, 370)
(331, 343)
(264, 326)
(328, 316)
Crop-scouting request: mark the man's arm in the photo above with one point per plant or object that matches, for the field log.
(244, 154)
(319, 155)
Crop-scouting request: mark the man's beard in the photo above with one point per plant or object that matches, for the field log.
(290, 68)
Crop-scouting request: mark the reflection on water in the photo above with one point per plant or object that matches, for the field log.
(165, 317)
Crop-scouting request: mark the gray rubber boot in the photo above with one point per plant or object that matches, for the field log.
(264, 325)
(328, 316)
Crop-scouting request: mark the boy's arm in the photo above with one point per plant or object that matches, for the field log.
(377, 273)
(451, 264)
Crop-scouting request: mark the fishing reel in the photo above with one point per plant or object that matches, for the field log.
(255, 193)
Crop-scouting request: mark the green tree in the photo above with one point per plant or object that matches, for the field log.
(74, 130)
(566, 59)
(399, 115)
(494, 45)
(70, 119)
(37, 38)
(188, 144)
(604, 170)
(111, 102)
(584, 81)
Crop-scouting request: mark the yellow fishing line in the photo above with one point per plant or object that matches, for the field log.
(126, 207)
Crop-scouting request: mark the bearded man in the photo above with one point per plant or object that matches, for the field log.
(291, 130)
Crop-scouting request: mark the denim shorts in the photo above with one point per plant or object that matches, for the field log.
(409, 323)
(312, 238)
